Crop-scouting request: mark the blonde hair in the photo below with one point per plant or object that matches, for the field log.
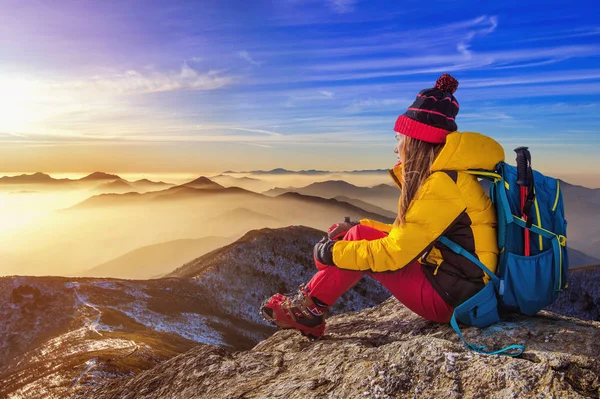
(417, 158)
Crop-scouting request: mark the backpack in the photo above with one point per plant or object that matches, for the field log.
(532, 237)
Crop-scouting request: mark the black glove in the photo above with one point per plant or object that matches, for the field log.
(339, 230)
(323, 252)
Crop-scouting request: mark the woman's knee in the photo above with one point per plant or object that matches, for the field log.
(361, 232)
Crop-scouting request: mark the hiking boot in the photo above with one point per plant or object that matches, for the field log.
(301, 312)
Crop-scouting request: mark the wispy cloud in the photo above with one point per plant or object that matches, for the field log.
(12, 134)
(473, 60)
(150, 81)
(569, 34)
(463, 46)
(246, 56)
(358, 106)
(326, 93)
(437, 38)
(342, 6)
(486, 116)
(528, 79)
(267, 132)
(256, 145)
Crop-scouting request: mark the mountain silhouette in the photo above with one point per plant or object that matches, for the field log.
(350, 209)
(148, 185)
(117, 186)
(24, 179)
(99, 176)
(248, 183)
(366, 206)
(37, 182)
(202, 182)
(382, 195)
(186, 192)
(579, 259)
(107, 200)
(45, 183)
(150, 182)
(243, 178)
(175, 193)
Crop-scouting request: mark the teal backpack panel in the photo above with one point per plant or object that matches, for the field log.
(521, 284)
(530, 283)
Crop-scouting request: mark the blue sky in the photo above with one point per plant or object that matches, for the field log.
(190, 86)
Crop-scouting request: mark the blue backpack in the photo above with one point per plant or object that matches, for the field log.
(532, 237)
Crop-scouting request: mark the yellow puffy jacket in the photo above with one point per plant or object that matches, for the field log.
(450, 202)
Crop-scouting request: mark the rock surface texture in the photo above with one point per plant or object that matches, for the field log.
(385, 352)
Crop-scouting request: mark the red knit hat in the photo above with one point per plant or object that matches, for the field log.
(431, 117)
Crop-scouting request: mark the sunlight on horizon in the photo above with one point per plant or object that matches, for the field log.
(174, 178)
(18, 210)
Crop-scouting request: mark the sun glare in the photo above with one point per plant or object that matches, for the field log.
(20, 105)
(17, 210)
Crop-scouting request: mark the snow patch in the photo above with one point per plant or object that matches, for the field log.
(90, 325)
(109, 285)
(90, 365)
(191, 326)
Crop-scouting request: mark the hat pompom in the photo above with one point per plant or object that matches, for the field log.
(447, 83)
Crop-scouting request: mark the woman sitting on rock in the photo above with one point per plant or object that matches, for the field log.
(437, 198)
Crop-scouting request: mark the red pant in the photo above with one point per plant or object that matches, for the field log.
(409, 285)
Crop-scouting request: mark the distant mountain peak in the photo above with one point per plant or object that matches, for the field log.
(37, 177)
(118, 183)
(99, 176)
(203, 182)
(333, 183)
(147, 182)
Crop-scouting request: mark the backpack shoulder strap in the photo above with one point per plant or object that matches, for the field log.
(461, 251)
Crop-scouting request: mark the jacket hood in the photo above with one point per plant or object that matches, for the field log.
(468, 150)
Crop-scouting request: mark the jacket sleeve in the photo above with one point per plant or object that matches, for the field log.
(437, 204)
(376, 225)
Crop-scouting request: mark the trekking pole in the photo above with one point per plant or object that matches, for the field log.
(523, 167)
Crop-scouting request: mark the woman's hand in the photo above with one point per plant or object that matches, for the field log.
(338, 231)
(322, 253)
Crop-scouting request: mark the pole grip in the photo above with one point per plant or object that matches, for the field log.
(522, 166)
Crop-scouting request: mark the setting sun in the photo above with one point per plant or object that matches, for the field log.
(17, 106)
